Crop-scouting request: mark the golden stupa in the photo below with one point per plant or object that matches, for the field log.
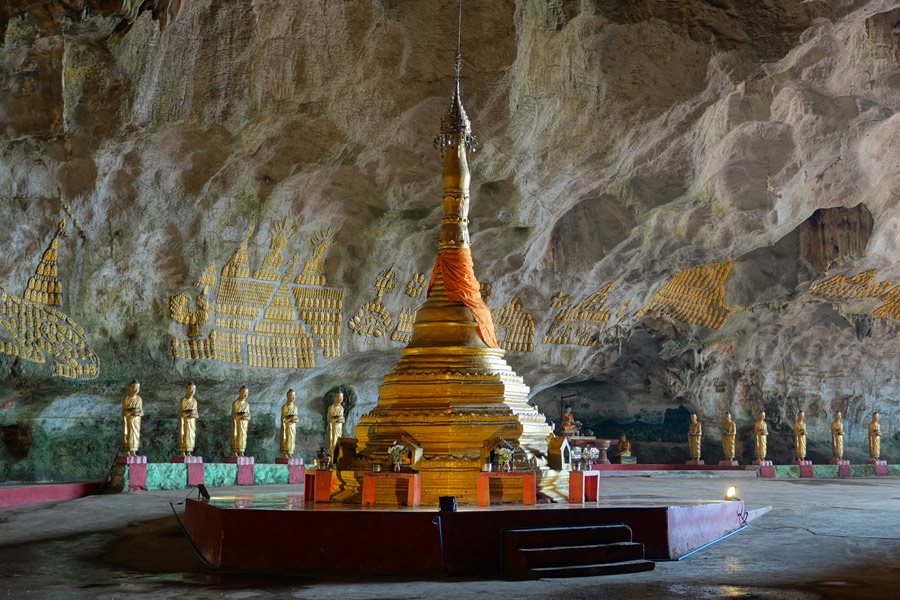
(451, 397)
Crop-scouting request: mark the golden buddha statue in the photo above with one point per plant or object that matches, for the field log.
(452, 393)
(800, 437)
(568, 421)
(695, 431)
(187, 421)
(289, 420)
(837, 436)
(335, 421)
(624, 448)
(729, 431)
(761, 431)
(240, 419)
(874, 438)
(132, 411)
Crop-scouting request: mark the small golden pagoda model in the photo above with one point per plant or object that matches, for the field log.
(452, 395)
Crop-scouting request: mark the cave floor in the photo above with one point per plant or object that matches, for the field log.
(823, 539)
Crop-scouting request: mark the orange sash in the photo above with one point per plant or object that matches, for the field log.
(458, 272)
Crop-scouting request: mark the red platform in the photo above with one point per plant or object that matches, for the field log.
(50, 492)
(366, 539)
(881, 467)
(413, 486)
(483, 485)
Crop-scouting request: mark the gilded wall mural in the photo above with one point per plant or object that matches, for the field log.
(515, 327)
(268, 320)
(373, 321)
(35, 329)
(695, 296)
(579, 323)
(840, 288)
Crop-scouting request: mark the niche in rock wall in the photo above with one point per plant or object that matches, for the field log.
(832, 236)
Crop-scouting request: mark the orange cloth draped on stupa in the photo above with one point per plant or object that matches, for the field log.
(458, 271)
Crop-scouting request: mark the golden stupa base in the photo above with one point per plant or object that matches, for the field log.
(553, 486)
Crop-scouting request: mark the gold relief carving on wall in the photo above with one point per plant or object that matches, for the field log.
(416, 285)
(44, 286)
(515, 326)
(281, 233)
(313, 270)
(486, 291)
(855, 288)
(577, 324)
(35, 328)
(841, 288)
(266, 320)
(695, 296)
(403, 331)
(559, 299)
(373, 320)
(623, 310)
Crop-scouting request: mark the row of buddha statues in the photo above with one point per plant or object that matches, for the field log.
(761, 432)
(188, 414)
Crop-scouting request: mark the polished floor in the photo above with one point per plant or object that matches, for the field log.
(823, 539)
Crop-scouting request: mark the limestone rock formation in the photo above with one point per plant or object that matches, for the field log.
(679, 206)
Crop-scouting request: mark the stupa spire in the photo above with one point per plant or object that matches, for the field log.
(451, 397)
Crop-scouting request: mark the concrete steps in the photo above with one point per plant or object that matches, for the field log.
(581, 551)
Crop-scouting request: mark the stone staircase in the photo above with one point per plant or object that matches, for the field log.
(583, 551)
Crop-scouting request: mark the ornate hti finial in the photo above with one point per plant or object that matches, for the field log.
(455, 125)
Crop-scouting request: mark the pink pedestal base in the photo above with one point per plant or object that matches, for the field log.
(317, 485)
(806, 470)
(843, 467)
(483, 486)
(413, 486)
(881, 468)
(584, 486)
(194, 468)
(696, 461)
(296, 469)
(137, 471)
(244, 468)
(765, 467)
(728, 463)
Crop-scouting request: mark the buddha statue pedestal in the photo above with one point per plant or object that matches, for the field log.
(296, 469)
(881, 468)
(765, 467)
(137, 471)
(194, 468)
(806, 469)
(843, 466)
(695, 461)
(244, 468)
(728, 463)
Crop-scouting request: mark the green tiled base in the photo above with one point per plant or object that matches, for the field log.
(831, 471)
(173, 476)
(219, 474)
(825, 471)
(166, 476)
(270, 474)
(787, 471)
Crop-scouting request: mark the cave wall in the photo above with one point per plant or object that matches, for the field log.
(676, 206)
